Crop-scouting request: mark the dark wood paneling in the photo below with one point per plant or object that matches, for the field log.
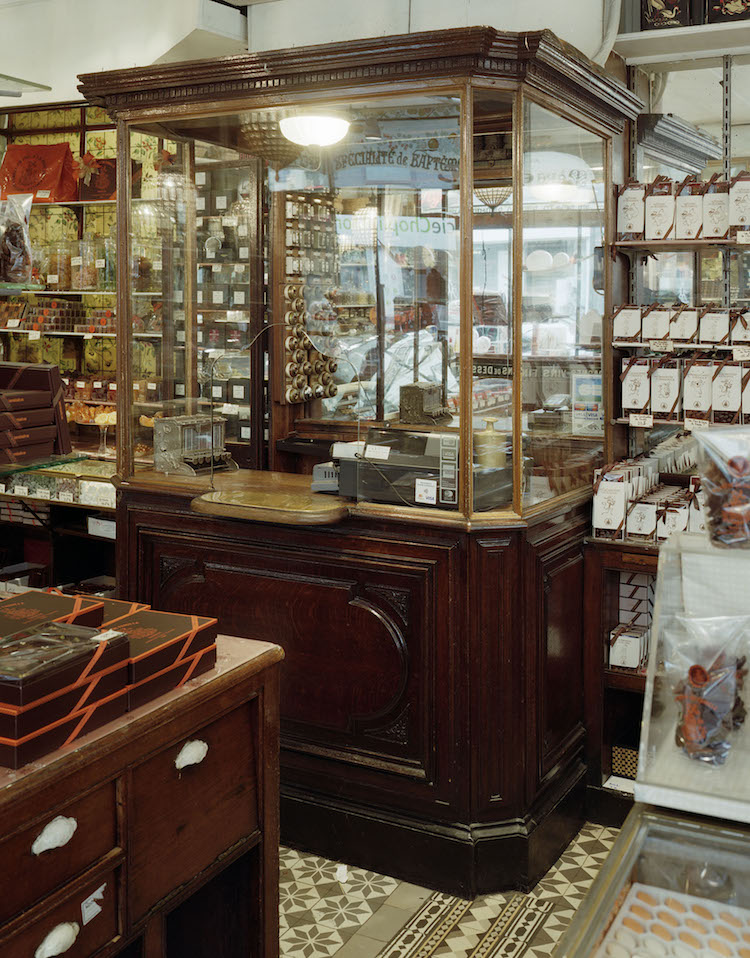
(432, 696)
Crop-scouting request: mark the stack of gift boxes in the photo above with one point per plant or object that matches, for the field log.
(32, 413)
(629, 640)
(688, 380)
(70, 663)
(632, 503)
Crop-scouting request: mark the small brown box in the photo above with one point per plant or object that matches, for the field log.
(173, 677)
(38, 435)
(32, 608)
(27, 418)
(160, 639)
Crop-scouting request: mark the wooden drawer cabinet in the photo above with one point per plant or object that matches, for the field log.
(79, 926)
(55, 849)
(213, 771)
(111, 844)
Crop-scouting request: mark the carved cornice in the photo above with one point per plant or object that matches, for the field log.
(540, 59)
(676, 142)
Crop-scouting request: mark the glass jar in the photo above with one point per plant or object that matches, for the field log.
(59, 268)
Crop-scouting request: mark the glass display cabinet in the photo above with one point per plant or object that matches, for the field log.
(428, 262)
(381, 262)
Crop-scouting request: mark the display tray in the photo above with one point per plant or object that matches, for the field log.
(658, 922)
(27, 419)
(19, 612)
(33, 436)
(160, 639)
(173, 677)
(42, 661)
(17, 752)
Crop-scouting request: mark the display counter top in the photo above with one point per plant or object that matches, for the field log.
(252, 495)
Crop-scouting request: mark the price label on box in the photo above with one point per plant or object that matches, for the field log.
(100, 263)
(14, 323)
(43, 494)
(692, 424)
(21, 491)
(76, 260)
(53, 279)
(218, 297)
(642, 420)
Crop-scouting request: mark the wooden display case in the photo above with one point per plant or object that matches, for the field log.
(433, 692)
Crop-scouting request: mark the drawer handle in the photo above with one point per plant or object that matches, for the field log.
(55, 834)
(58, 941)
(191, 753)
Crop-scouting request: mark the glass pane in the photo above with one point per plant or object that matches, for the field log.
(563, 304)
(346, 255)
(492, 305)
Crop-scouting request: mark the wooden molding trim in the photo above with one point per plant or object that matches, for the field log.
(539, 59)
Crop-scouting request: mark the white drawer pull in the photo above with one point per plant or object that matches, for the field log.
(191, 753)
(55, 834)
(58, 941)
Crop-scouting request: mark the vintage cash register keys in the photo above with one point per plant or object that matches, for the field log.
(187, 445)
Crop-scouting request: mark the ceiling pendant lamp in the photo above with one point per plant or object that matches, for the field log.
(314, 129)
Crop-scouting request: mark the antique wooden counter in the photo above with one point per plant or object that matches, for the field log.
(432, 692)
(111, 848)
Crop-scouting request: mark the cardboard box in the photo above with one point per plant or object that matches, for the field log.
(23, 454)
(15, 753)
(42, 661)
(10, 438)
(12, 400)
(116, 608)
(27, 419)
(160, 639)
(38, 377)
(32, 608)
(173, 677)
(626, 647)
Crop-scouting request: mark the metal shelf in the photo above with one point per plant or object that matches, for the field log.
(686, 48)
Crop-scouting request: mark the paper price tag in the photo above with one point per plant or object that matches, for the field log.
(76, 260)
(178, 295)
(210, 254)
(21, 491)
(692, 424)
(244, 432)
(53, 279)
(200, 202)
(2, 488)
(43, 494)
(242, 229)
(216, 268)
(221, 202)
(43, 194)
(35, 334)
(642, 420)
(239, 299)
(14, 323)
(157, 265)
(100, 263)
(661, 345)
(244, 252)
(218, 297)
(200, 178)
(65, 497)
(425, 492)
(738, 352)
(88, 335)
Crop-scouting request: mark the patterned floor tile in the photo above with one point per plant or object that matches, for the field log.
(310, 941)
(342, 912)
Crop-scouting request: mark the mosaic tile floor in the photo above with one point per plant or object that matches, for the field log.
(328, 908)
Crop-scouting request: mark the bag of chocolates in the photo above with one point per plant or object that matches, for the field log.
(15, 245)
(724, 466)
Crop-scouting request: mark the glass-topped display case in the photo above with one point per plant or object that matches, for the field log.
(417, 272)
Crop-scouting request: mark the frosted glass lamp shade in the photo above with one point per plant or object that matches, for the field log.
(310, 129)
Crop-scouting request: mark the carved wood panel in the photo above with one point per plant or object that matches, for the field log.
(360, 632)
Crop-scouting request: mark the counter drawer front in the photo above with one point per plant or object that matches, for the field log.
(81, 925)
(184, 818)
(45, 856)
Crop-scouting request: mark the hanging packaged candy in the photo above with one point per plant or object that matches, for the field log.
(724, 466)
(705, 667)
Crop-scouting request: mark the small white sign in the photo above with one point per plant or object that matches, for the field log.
(100, 263)
(14, 323)
(377, 452)
(43, 194)
(239, 298)
(43, 494)
(216, 267)
(238, 392)
(661, 345)
(88, 335)
(692, 424)
(90, 906)
(244, 432)
(642, 420)
(53, 279)
(200, 178)
(218, 297)
(230, 221)
(35, 334)
(76, 260)
(66, 497)
(200, 203)
(21, 491)
(244, 252)
(743, 237)
(425, 492)
(221, 202)
(242, 229)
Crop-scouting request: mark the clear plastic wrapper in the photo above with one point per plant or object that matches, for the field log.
(705, 669)
(724, 465)
(15, 244)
